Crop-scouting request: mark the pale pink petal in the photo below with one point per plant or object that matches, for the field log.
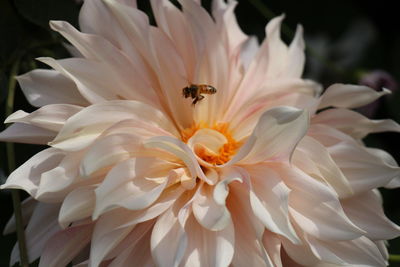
(168, 240)
(269, 198)
(182, 151)
(77, 205)
(49, 117)
(41, 227)
(296, 57)
(365, 210)
(357, 252)
(93, 79)
(208, 212)
(43, 87)
(273, 245)
(274, 138)
(27, 176)
(315, 208)
(96, 18)
(28, 134)
(249, 230)
(364, 170)
(138, 250)
(208, 248)
(226, 21)
(327, 136)
(297, 255)
(353, 123)
(119, 65)
(170, 19)
(349, 96)
(314, 159)
(106, 236)
(108, 151)
(77, 133)
(62, 247)
(133, 184)
(27, 207)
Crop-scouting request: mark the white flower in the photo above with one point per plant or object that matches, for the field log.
(249, 176)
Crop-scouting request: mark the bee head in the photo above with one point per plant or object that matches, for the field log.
(186, 92)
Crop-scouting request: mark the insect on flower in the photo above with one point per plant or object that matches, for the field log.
(195, 91)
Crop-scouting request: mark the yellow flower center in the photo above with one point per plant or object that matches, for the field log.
(213, 144)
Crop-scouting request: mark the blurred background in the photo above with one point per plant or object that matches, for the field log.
(347, 41)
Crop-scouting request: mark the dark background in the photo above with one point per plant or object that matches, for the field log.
(345, 41)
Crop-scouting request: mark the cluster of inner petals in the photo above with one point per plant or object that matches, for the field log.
(226, 151)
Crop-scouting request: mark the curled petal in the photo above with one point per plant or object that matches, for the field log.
(28, 134)
(353, 123)
(274, 138)
(349, 96)
(39, 88)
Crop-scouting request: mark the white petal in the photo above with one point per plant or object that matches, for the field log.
(129, 185)
(41, 227)
(27, 176)
(353, 123)
(25, 133)
(85, 126)
(208, 248)
(168, 240)
(77, 205)
(127, 72)
(320, 164)
(248, 230)
(349, 96)
(182, 151)
(363, 169)
(62, 247)
(49, 117)
(27, 207)
(357, 252)
(365, 210)
(269, 198)
(277, 133)
(208, 213)
(296, 56)
(44, 87)
(315, 207)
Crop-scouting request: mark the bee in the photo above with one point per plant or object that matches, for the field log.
(195, 91)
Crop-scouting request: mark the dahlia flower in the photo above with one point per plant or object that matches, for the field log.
(268, 171)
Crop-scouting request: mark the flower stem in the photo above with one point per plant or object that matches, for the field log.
(11, 166)
(394, 257)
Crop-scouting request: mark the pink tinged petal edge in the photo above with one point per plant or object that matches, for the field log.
(45, 87)
(84, 127)
(365, 169)
(27, 176)
(314, 159)
(49, 117)
(275, 137)
(28, 134)
(365, 210)
(353, 123)
(62, 247)
(349, 96)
